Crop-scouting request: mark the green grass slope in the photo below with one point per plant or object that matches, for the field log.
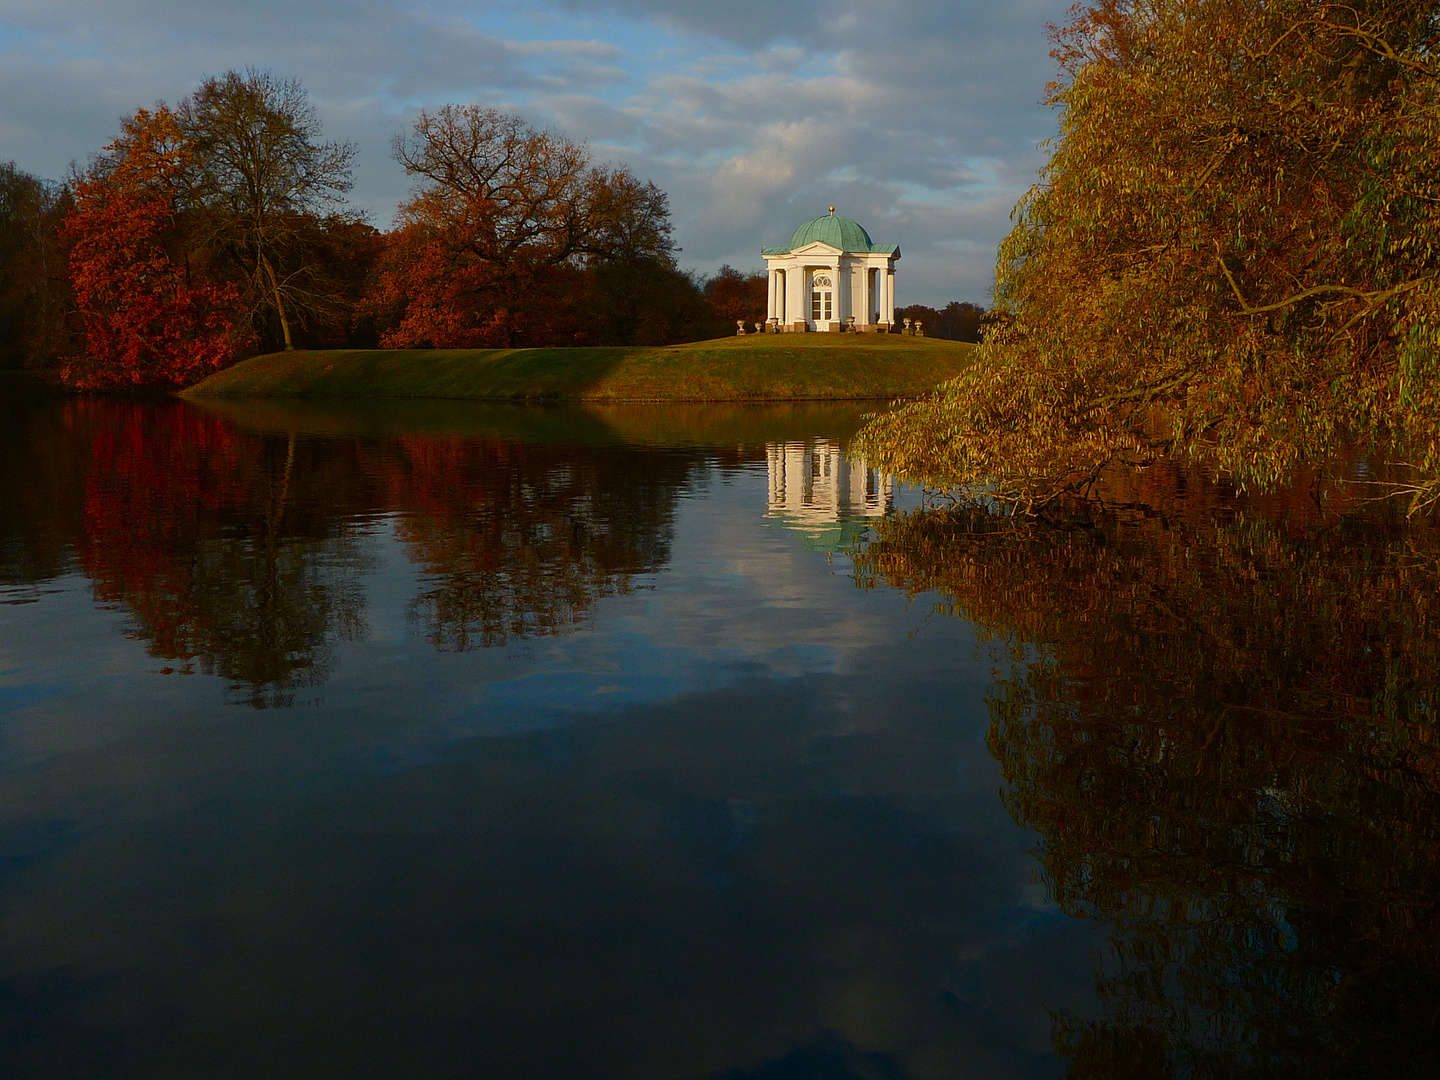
(773, 367)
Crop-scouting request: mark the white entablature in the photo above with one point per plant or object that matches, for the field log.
(830, 273)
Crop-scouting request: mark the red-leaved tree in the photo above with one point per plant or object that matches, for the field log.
(429, 298)
(152, 315)
(503, 225)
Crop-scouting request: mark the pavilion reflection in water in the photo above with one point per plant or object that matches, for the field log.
(816, 490)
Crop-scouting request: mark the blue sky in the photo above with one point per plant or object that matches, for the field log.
(918, 118)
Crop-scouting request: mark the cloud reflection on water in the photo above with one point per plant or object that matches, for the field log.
(733, 813)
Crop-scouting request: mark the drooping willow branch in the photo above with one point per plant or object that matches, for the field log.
(1372, 300)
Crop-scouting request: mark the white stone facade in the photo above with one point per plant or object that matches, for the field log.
(830, 274)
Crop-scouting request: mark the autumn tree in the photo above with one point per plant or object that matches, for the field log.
(1232, 253)
(627, 219)
(734, 297)
(265, 181)
(502, 214)
(344, 253)
(633, 293)
(153, 314)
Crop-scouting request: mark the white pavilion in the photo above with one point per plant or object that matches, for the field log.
(830, 274)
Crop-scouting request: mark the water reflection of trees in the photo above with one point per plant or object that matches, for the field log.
(211, 541)
(36, 464)
(244, 555)
(1223, 726)
(520, 539)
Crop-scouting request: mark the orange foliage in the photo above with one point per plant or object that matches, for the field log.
(502, 239)
(735, 296)
(437, 302)
(151, 318)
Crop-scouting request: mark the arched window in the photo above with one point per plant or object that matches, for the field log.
(821, 298)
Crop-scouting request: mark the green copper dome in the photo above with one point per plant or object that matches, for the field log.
(838, 232)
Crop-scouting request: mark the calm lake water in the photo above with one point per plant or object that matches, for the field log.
(442, 740)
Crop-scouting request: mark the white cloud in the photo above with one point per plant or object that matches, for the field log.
(590, 50)
(747, 182)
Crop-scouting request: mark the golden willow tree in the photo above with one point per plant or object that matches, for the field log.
(1231, 256)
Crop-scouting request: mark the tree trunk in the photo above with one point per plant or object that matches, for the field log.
(279, 301)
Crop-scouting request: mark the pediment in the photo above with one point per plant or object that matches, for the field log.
(818, 247)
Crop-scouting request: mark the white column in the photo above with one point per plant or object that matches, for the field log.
(887, 310)
(775, 466)
(842, 295)
(770, 304)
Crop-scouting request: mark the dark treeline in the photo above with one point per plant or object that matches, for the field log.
(219, 228)
(35, 296)
(956, 321)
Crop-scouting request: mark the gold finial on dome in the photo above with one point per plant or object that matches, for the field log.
(832, 209)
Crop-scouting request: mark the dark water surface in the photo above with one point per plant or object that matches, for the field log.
(439, 740)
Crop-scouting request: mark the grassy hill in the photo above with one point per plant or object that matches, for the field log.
(774, 367)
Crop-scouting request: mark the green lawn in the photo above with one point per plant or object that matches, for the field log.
(774, 367)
